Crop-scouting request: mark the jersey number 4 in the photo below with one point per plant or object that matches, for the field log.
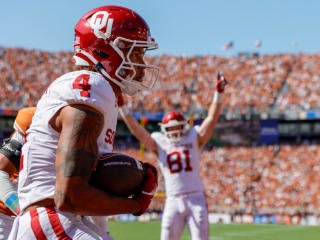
(179, 161)
(82, 82)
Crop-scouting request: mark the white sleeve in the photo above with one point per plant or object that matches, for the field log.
(18, 137)
(8, 193)
(100, 221)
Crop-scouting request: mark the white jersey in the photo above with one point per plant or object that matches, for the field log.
(180, 163)
(39, 151)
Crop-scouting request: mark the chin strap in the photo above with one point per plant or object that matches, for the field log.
(94, 62)
(131, 88)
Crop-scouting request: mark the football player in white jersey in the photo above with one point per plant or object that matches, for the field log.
(75, 122)
(178, 149)
(9, 171)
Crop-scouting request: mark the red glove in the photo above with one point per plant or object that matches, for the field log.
(221, 82)
(148, 190)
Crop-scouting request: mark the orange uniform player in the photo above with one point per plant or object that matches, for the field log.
(9, 167)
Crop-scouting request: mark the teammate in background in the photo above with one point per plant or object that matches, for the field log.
(75, 122)
(178, 148)
(9, 167)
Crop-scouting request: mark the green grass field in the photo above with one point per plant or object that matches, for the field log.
(151, 231)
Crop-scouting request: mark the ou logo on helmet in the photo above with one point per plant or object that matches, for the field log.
(101, 24)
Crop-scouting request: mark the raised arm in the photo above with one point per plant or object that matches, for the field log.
(136, 129)
(207, 127)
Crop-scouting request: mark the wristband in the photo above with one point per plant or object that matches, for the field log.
(11, 200)
(216, 98)
(124, 111)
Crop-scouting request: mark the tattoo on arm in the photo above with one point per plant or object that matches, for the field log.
(77, 153)
(81, 151)
(79, 163)
(59, 196)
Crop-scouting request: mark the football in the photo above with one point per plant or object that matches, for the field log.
(118, 174)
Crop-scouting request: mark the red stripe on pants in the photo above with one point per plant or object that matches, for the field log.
(56, 224)
(35, 225)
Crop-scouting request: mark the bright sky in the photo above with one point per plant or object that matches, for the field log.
(181, 27)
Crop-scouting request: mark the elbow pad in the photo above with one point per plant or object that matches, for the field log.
(11, 148)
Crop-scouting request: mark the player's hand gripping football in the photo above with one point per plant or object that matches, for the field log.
(221, 82)
(148, 189)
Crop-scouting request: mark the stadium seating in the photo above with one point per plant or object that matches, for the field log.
(266, 179)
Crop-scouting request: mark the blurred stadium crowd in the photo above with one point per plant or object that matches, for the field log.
(268, 179)
(258, 84)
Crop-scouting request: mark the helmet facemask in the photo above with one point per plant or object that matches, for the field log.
(126, 71)
(174, 130)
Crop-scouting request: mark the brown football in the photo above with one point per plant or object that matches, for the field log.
(118, 174)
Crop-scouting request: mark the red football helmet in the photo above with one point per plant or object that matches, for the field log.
(174, 125)
(106, 38)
